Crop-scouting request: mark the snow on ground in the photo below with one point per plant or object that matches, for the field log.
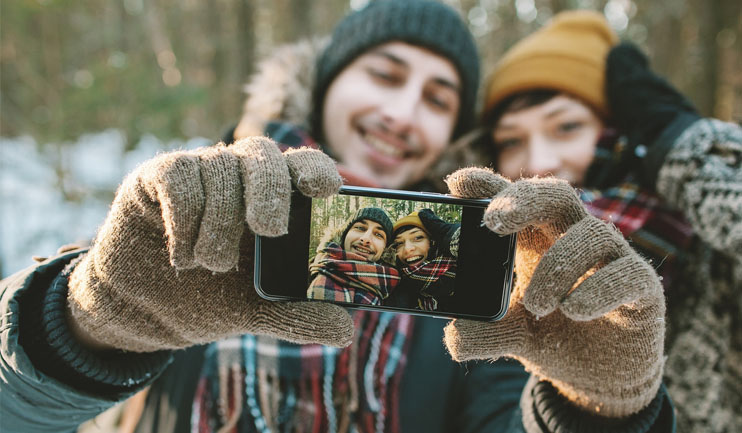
(36, 216)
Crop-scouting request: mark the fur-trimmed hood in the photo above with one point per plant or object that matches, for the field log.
(281, 88)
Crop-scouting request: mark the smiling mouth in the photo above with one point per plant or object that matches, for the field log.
(383, 147)
(363, 251)
(413, 259)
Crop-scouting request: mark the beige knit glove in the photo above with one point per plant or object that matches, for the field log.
(586, 312)
(172, 266)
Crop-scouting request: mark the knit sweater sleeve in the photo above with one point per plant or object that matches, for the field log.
(702, 176)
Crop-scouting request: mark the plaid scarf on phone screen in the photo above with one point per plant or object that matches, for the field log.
(432, 280)
(344, 276)
(260, 384)
(658, 233)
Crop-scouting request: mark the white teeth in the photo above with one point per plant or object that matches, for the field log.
(384, 147)
(414, 259)
(363, 250)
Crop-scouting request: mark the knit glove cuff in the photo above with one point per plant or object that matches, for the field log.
(544, 409)
(58, 354)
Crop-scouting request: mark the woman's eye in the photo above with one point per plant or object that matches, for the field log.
(507, 142)
(568, 127)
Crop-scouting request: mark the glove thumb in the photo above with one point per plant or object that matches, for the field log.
(475, 182)
(468, 339)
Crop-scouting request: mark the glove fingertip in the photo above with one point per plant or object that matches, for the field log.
(313, 172)
(475, 182)
(539, 302)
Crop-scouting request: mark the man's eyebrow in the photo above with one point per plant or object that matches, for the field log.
(447, 83)
(391, 57)
(441, 81)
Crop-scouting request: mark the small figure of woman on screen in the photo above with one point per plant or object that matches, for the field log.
(348, 265)
(426, 252)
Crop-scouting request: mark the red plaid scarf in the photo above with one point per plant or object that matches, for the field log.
(433, 279)
(660, 234)
(343, 276)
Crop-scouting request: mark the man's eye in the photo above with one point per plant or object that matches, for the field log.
(419, 238)
(380, 235)
(384, 76)
(438, 102)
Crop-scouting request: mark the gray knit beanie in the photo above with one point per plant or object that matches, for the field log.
(425, 23)
(373, 214)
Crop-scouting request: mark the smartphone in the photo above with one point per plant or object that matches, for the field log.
(376, 249)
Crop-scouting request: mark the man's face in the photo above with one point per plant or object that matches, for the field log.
(389, 114)
(412, 246)
(366, 238)
(555, 138)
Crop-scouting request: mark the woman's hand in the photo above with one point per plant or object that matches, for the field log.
(586, 313)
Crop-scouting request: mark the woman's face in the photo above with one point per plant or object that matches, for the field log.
(412, 246)
(556, 138)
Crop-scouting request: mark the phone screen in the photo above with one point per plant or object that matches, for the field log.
(406, 252)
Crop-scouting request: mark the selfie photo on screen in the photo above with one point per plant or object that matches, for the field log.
(379, 251)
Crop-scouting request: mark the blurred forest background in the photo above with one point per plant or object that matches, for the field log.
(175, 68)
(332, 213)
(89, 88)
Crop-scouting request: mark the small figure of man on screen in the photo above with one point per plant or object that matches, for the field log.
(348, 265)
(426, 249)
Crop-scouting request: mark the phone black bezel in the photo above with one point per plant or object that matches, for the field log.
(402, 195)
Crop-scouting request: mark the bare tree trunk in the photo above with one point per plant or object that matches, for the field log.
(246, 37)
(728, 43)
(710, 22)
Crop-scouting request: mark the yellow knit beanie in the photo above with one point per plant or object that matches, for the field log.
(410, 220)
(568, 55)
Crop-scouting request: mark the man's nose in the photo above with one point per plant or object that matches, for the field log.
(542, 157)
(400, 110)
(366, 238)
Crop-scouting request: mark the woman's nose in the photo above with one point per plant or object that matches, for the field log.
(542, 158)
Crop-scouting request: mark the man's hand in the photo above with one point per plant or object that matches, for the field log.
(435, 225)
(645, 107)
(586, 314)
(172, 266)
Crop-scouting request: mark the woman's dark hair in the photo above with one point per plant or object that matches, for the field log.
(511, 104)
(517, 102)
